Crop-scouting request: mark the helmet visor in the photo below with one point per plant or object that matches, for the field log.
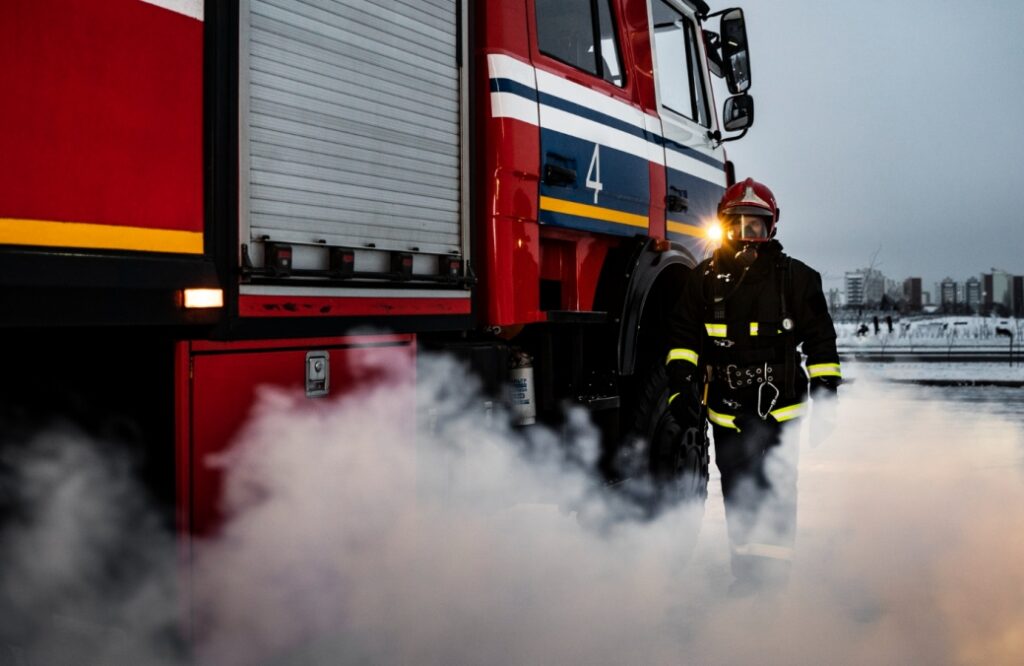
(747, 227)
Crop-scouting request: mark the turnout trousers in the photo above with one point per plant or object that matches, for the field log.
(759, 485)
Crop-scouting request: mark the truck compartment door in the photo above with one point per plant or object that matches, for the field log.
(350, 127)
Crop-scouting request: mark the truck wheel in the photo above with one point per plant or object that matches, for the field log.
(666, 458)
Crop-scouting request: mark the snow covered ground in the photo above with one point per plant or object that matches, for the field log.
(956, 332)
(998, 373)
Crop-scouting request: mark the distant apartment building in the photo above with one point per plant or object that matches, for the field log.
(926, 298)
(997, 292)
(1017, 309)
(865, 287)
(912, 294)
(948, 294)
(855, 289)
(972, 294)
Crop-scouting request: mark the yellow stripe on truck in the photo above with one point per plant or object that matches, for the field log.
(593, 212)
(98, 236)
(688, 229)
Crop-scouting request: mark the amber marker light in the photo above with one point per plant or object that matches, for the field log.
(203, 298)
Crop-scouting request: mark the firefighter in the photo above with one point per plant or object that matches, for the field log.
(735, 356)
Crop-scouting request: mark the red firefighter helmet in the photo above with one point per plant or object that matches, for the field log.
(748, 212)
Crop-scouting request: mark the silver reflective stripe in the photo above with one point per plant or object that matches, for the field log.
(791, 412)
(681, 354)
(766, 550)
(753, 328)
(724, 420)
(824, 370)
(351, 124)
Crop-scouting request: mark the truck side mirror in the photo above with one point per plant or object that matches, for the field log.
(735, 55)
(738, 113)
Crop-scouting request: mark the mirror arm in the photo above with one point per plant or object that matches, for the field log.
(717, 137)
(733, 138)
(719, 12)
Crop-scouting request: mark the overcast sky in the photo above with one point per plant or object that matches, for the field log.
(890, 126)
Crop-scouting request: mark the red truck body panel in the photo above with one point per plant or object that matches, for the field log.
(224, 381)
(102, 142)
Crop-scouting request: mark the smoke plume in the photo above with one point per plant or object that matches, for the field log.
(356, 533)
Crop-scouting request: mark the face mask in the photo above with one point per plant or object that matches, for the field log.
(747, 255)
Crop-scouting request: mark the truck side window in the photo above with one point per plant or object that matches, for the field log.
(580, 33)
(680, 74)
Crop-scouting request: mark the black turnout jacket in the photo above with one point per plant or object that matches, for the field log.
(764, 316)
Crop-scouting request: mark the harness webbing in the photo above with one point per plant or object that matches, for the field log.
(785, 286)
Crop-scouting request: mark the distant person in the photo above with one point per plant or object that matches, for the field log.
(877, 327)
(888, 322)
(738, 323)
(862, 331)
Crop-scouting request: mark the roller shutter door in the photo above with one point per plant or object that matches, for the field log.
(350, 123)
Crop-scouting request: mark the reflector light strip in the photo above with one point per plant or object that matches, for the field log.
(98, 236)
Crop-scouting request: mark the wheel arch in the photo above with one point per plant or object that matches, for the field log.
(652, 289)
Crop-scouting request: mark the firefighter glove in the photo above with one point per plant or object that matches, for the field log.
(685, 404)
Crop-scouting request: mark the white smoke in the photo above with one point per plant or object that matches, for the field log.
(86, 571)
(352, 538)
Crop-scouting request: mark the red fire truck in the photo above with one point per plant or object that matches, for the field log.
(197, 199)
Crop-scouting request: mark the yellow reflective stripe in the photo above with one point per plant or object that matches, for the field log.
(791, 412)
(672, 397)
(593, 212)
(688, 229)
(680, 354)
(767, 550)
(753, 328)
(93, 236)
(715, 330)
(723, 420)
(824, 370)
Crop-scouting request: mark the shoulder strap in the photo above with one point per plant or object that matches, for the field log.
(785, 282)
(719, 295)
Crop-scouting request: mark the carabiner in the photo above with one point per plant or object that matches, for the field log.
(760, 399)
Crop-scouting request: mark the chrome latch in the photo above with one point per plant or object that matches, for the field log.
(318, 374)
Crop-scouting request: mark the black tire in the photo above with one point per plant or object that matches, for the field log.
(662, 462)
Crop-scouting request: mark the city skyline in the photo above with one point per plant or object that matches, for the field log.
(996, 291)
